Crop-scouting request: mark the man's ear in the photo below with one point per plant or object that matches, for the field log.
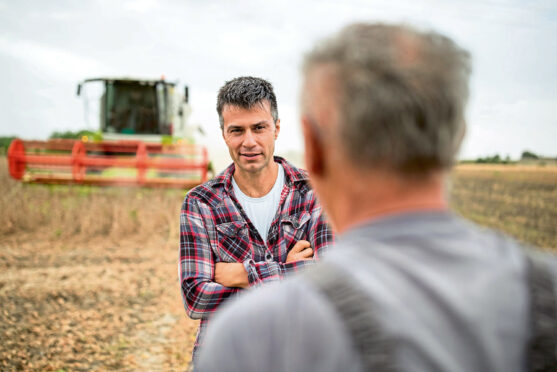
(277, 128)
(314, 149)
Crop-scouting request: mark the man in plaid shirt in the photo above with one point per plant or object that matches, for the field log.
(256, 221)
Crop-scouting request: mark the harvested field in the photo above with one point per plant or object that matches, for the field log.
(88, 276)
(88, 279)
(519, 200)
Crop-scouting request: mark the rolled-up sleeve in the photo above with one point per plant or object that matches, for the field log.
(200, 294)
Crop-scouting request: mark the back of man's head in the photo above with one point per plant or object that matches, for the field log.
(400, 95)
(246, 92)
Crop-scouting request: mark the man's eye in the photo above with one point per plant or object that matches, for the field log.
(259, 127)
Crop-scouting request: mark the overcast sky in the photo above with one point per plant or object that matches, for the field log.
(46, 47)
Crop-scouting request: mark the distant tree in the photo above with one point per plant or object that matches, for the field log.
(529, 155)
(5, 143)
(71, 135)
(495, 159)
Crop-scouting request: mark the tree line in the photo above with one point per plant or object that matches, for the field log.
(6, 140)
(497, 159)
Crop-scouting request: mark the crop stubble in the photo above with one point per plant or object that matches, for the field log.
(519, 200)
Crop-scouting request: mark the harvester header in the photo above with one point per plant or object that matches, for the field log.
(108, 163)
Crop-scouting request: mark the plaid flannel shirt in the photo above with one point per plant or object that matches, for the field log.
(215, 228)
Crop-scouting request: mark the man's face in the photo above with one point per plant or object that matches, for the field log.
(250, 136)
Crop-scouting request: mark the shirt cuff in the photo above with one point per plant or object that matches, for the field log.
(259, 272)
(253, 276)
(296, 266)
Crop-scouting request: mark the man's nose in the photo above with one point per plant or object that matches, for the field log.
(249, 139)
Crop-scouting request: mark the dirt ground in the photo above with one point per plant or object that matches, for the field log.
(79, 298)
(97, 305)
(519, 200)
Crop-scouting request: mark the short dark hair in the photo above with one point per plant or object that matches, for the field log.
(246, 92)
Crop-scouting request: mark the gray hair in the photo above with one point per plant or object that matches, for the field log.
(401, 97)
(246, 92)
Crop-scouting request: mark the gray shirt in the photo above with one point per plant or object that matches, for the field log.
(452, 297)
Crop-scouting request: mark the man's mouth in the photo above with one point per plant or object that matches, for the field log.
(250, 155)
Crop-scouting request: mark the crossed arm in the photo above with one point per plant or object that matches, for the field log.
(234, 274)
(206, 283)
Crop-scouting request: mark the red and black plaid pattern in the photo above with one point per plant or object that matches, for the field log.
(214, 228)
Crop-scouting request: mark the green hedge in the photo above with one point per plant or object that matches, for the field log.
(4, 144)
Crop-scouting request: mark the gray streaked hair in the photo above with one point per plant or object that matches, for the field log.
(246, 92)
(402, 95)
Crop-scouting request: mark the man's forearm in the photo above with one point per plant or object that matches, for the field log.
(231, 274)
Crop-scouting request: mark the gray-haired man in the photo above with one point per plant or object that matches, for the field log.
(410, 286)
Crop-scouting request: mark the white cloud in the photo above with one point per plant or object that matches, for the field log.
(47, 60)
(140, 6)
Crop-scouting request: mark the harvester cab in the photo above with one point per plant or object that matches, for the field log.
(141, 139)
(146, 110)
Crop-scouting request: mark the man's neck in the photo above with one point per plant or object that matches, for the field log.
(380, 195)
(257, 184)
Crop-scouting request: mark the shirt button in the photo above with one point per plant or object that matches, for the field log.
(268, 257)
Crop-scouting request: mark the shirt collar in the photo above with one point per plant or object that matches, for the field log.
(291, 174)
(404, 223)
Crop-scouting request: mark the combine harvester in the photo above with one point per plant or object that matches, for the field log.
(142, 141)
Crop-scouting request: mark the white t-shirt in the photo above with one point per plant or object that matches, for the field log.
(261, 211)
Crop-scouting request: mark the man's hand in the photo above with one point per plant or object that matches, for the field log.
(301, 251)
(231, 274)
